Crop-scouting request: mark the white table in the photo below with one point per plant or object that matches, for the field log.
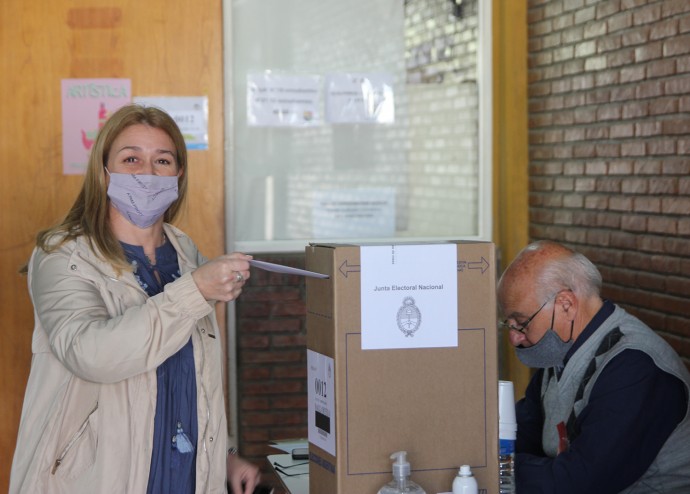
(293, 474)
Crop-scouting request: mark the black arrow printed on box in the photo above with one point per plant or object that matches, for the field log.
(483, 265)
(346, 268)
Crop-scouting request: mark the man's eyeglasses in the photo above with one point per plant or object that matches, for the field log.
(523, 326)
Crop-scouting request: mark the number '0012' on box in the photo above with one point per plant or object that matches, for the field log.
(401, 356)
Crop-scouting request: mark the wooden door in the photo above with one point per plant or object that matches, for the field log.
(166, 48)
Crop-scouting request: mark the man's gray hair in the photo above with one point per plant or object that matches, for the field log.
(573, 272)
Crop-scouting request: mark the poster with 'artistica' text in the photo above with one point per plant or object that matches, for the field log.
(86, 105)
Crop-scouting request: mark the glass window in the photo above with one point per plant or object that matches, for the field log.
(357, 121)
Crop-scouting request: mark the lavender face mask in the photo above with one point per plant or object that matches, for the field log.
(142, 199)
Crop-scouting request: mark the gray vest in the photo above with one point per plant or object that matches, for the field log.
(565, 398)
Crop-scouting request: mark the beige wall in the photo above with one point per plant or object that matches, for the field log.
(510, 149)
(165, 48)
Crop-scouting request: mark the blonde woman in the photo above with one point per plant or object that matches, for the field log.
(125, 391)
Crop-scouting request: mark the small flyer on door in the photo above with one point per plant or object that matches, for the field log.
(190, 114)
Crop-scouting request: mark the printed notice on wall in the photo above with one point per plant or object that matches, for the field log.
(189, 112)
(86, 105)
(354, 213)
(409, 296)
(360, 98)
(321, 401)
(279, 100)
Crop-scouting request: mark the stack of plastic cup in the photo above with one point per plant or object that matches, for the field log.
(507, 433)
(507, 426)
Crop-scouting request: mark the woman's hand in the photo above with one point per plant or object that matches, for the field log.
(223, 277)
(242, 475)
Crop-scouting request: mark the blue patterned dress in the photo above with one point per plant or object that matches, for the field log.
(173, 457)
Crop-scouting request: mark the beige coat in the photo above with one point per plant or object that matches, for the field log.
(87, 419)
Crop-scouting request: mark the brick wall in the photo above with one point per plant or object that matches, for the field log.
(272, 360)
(609, 108)
(443, 100)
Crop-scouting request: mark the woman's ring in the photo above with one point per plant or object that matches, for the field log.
(238, 277)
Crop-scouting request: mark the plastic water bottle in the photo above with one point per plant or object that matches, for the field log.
(507, 433)
(401, 483)
(506, 467)
(464, 482)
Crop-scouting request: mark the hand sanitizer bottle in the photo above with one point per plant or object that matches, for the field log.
(465, 483)
(401, 483)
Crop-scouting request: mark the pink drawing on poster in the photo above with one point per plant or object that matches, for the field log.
(86, 105)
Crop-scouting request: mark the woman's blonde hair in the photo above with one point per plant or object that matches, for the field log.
(88, 216)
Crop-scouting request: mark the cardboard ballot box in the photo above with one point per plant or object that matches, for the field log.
(402, 356)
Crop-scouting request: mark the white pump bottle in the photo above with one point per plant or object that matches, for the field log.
(401, 483)
(465, 483)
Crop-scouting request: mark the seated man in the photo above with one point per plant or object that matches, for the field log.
(607, 411)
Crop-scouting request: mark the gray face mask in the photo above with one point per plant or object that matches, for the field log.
(549, 351)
